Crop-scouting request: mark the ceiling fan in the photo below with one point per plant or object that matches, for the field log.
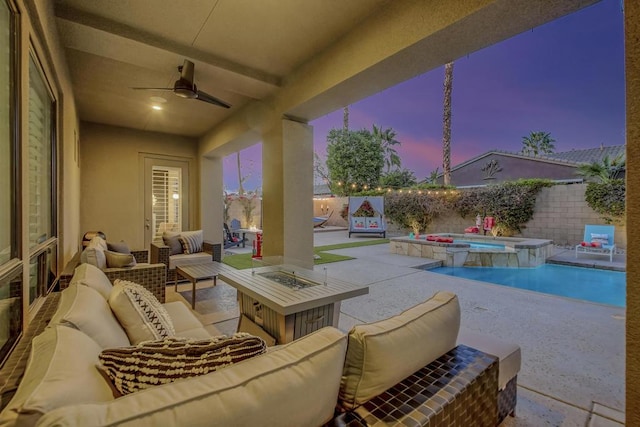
(184, 87)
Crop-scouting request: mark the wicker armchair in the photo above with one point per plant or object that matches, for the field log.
(151, 276)
(161, 253)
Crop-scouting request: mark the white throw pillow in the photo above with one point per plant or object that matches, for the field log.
(86, 310)
(139, 312)
(61, 372)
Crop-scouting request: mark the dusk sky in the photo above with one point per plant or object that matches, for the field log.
(566, 78)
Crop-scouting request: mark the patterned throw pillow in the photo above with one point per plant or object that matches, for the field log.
(192, 241)
(153, 363)
(139, 312)
(603, 239)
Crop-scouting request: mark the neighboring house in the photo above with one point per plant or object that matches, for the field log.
(499, 166)
(322, 190)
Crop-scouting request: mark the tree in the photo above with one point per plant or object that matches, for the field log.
(433, 176)
(320, 171)
(387, 139)
(538, 143)
(345, 118)
(241, 179)
(399, 178)
(446, 123)
(354, 159)
(604, 171)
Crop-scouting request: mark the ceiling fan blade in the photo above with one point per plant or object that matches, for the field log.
(203, 96)
(152, 88)
(186, 73)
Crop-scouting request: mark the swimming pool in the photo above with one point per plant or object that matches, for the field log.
(589, 284)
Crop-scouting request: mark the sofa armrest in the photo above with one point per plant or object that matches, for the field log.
(141, 256)
(160, 253)
(152, 276)
(67, 274)
(459, 385)
(215, 249)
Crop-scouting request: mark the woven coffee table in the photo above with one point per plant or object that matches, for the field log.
(197, 272)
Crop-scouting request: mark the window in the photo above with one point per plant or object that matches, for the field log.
(8, 146)
(10, 311)
(41, 149)
(10, 272)
(167, 196)
(42, 184)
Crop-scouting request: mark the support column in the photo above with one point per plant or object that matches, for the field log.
(287, 203)
(632, 78)
(211, 194)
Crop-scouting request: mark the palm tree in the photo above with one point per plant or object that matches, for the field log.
(387, 139)
(345, 118)
(446, 123)
(241, 179)
(538, 143)
(604, 171)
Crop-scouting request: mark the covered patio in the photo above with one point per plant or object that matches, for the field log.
(278, 78)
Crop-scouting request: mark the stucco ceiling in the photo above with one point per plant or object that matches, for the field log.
(243, 50)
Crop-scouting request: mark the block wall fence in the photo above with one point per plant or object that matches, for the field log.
(560, 214)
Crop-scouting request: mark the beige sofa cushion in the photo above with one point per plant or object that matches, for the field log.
(139, 312)
(296, 385)
(91, 276)
(383, 353)
(85, 309)
(63, 372)
(185, 323)
(94, 253)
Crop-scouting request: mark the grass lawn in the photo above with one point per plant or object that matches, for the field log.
(243, 261)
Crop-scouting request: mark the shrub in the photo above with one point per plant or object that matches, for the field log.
(416, 210)
(607, 199)
(510, 203)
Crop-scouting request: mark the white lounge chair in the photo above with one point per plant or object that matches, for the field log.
(601, 235)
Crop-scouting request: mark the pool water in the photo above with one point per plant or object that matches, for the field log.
(478, 245)
(589, 284)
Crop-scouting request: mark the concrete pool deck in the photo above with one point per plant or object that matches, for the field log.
(572, 351)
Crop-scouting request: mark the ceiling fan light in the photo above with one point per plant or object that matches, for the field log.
(185, 93)
(156, 107)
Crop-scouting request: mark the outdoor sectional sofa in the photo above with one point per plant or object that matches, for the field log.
(407, 367)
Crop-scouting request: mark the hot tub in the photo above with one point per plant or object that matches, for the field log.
(476, 250)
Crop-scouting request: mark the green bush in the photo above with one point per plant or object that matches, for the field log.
(416, 209)
(510, 203)
(607, 199)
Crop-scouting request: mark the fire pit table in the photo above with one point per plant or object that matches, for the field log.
(288, 301)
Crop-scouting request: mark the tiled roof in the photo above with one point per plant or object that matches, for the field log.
(321, 190)
(589, 155)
